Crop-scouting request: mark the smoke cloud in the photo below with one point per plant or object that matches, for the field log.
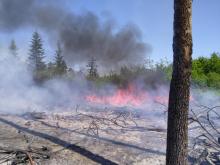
(82, 36)
(19, 93)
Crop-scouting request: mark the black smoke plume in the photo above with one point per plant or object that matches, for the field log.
(82, 36)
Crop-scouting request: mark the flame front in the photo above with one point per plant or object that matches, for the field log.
(130, 96)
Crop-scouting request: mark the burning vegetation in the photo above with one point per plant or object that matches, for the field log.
(97, 99)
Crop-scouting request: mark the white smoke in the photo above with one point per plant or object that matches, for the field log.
(19, 93)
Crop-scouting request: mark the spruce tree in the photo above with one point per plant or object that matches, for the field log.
(60, 64)
(92, 69)
(13, 48)
(36, 54)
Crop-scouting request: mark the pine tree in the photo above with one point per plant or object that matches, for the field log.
(177, 131)
(13, 48)
(60, 64)
(92, 69)
(36, 54)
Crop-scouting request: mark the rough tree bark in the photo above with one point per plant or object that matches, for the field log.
(177, 135)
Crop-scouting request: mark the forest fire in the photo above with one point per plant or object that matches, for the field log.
(129, 96)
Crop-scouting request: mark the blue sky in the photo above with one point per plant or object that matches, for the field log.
(153, 17)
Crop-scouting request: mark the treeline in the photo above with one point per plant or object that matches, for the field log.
(148, 76)
(43, 71)
(36, 63)
(205, 71)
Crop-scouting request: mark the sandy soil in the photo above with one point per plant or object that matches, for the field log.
(66, 133)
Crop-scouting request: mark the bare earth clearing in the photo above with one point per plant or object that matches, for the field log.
(107, 136)
(85, 137)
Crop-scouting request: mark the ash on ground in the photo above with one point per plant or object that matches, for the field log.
(88, 136)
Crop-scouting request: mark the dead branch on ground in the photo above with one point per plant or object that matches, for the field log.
(208, 141)
(107, 119)
(18, 156)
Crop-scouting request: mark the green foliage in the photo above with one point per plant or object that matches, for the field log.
(165, 67)
(206, 71)
(214, 80)
(36, 54)
(35, 59)
(128, 74)
(60, 67)
(41, 71)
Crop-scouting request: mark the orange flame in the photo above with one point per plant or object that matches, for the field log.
(130, 96)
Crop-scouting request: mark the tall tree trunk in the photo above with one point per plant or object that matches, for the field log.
(177, 134)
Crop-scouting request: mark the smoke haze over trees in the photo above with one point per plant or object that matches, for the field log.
(121, 52)
(60, 64)
(81, 36)
(13, 48)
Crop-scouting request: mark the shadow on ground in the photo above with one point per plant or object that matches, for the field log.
(94, 157)
(107, 140)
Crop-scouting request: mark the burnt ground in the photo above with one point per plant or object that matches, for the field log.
(73, 138)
